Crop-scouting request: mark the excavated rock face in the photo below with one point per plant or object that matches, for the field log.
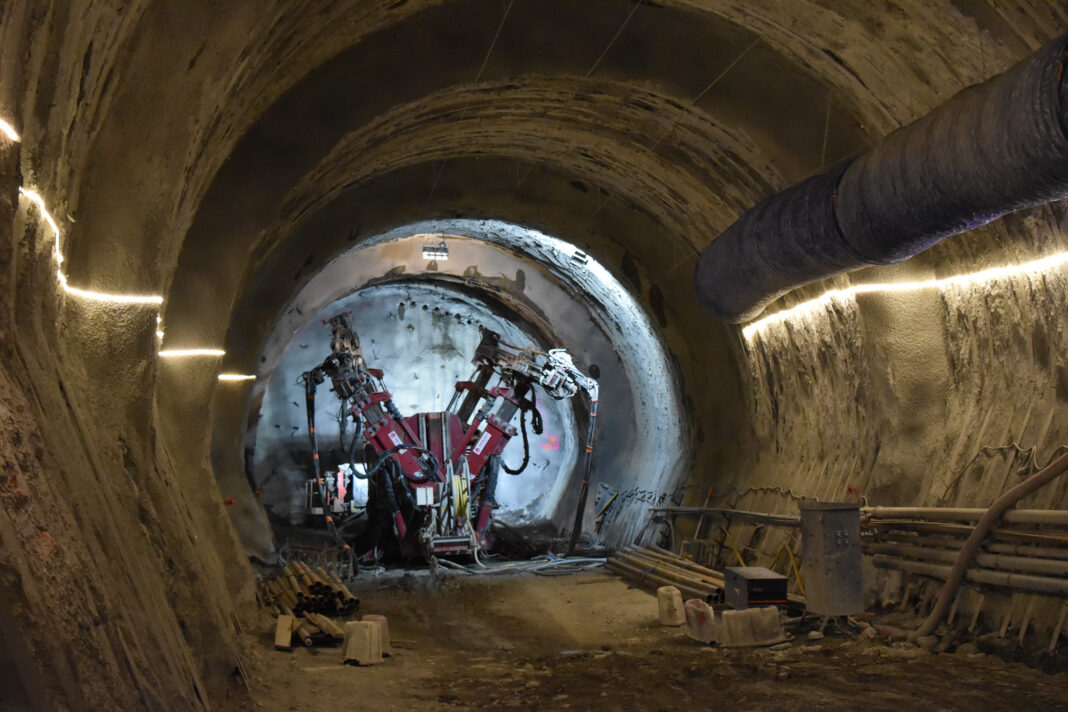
(221, 154)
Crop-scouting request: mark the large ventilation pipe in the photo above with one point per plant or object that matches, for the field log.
(992, 149)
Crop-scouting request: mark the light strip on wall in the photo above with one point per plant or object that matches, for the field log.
(83, 293)
(150, 299)
(9, 131)
(1045, 264)
(180, 353)
(236, 377)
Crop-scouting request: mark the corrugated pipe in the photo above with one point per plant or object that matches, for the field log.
(994, 148)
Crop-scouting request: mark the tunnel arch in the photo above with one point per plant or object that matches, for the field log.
(554, 295)
(139, 122)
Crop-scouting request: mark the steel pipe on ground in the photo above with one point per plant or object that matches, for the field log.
(1038, 584)
(665, 555)
(646, 576)
(668, 569)
(695, 578)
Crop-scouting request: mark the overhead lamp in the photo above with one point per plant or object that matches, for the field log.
(435, 250)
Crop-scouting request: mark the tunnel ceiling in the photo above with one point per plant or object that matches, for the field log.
(672, 117)
(684, 112)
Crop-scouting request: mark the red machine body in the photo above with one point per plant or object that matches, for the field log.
(443, 465)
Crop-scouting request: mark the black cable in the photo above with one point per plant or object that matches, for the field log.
(311, 380)
(526, 446)
(526, 406)
(386, 454)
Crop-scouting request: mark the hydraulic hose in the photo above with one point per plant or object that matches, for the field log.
(576, 528)
(309, 392)
(526, 406)
(971, 547)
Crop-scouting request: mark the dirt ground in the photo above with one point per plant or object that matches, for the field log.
(589, 642)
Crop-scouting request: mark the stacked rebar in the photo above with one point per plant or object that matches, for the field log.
(1027, 552)
(309, 596)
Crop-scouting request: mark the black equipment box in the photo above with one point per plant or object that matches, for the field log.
(746, 586)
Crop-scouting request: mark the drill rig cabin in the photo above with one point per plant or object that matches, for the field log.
(431, 478)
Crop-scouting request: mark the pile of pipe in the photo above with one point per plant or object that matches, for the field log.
(315, 591)
(653, 567)
(1028, 551)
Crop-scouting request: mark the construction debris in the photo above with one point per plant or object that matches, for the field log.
(700, 621)
(669, 600)
(363, 642)
(751, 627)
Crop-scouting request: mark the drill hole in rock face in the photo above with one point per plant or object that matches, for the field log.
(518, 283)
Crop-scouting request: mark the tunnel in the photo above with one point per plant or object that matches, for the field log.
(191, 191)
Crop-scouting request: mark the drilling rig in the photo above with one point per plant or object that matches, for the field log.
(432, 477)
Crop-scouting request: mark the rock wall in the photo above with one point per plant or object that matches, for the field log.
(113, 593)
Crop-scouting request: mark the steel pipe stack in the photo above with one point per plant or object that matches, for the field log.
(653, 567)
(1027, 552)
(309, 596)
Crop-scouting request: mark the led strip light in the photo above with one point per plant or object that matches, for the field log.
(811, 306)
(84, 293)
(153, 300)
(180, 353)
(9, 131)
(1045, 264)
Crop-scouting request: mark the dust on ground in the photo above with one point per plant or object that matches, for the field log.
(589, 642)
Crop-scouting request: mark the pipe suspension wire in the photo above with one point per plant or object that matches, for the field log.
(671, 127)
(589, 72)
(467, 105)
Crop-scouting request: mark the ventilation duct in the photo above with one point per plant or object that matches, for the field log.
(992, 149)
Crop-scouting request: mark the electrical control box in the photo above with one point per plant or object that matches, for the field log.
(831, 558)
(752, 586)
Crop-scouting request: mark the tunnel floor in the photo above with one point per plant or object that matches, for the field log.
(587, 641)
